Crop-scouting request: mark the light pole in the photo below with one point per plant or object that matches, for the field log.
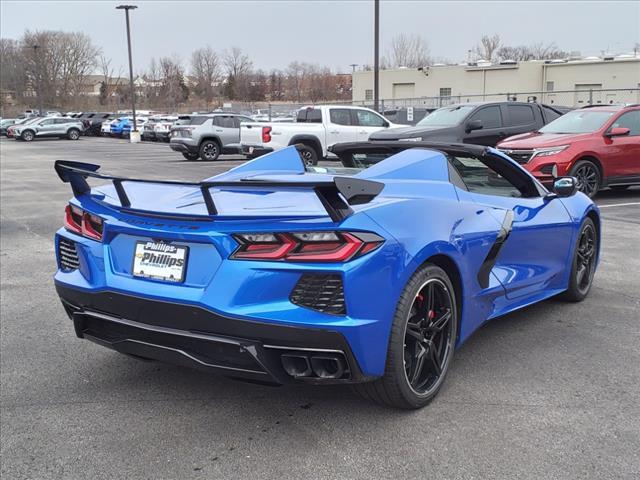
(37, 75)
(376, 54)
(126, 8)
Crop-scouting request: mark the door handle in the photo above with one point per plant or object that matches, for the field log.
(362, 131)
(334, 132)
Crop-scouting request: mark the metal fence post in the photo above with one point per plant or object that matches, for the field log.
(590, 96)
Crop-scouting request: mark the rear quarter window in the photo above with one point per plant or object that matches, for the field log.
(309, 115)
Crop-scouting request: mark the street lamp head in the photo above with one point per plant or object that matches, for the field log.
(126, 7)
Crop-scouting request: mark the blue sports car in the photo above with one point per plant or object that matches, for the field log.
(369, 273)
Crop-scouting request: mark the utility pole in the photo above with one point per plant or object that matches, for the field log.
(38, 79)
(376, 54)
(126, 8)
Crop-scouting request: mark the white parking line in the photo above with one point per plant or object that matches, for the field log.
(619, 204)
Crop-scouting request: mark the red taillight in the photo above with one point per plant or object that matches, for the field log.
(266, 134)
(83, 223)
(73, 219)
(319, 246)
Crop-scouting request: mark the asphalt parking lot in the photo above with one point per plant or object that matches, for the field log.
(549, 392)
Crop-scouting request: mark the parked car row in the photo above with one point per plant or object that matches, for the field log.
(28, 129)
(600, 145)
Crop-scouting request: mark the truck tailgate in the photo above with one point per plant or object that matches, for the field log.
(251, 133)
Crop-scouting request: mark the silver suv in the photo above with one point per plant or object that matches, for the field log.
(60, 127)
(207, 136)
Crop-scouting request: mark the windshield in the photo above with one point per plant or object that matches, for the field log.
(578, 121)
(446, 116)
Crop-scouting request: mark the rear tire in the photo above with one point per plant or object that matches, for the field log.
(209, 150)
(421, 344)
(583, 265)
(73, 134)
(190, 156)
(588, 175)
(308, 154)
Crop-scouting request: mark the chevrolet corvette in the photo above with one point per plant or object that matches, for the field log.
(370, 272)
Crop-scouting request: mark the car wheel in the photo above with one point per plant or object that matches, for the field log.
(27, 135)
(190, 156)
(421, 345)
(309, 155)
(588, 176)
(583, 266)
(73, 134)
(209, 150)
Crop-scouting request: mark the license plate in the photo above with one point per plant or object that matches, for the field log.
(160, 261)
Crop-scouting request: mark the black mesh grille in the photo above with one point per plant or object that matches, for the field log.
(68, 254)
(547, 169)
(320, 292)
(520, 156)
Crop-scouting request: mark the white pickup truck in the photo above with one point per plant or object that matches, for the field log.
(315, 129)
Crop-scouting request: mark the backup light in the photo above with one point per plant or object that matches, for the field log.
(305, 246)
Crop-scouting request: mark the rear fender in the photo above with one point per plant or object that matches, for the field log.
(310, 140)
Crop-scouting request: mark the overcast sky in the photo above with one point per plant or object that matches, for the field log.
(334, 33)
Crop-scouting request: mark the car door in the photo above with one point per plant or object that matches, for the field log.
(532, 256)
(61, 125)
(341, 126)
(368, 122)
(621, 154)
(521, 118)
(490, 118)
(224, 126)
(45, 127)
(237, 121)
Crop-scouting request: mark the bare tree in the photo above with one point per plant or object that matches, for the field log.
(488, 47)
(238, 67)
(205, 67)
(296, 76)
(537, 51)
(12, 67)
(407, 51)
(172, 86)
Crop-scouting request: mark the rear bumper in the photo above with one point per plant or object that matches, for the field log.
(183, 147)
(254, 150)
(204, 340)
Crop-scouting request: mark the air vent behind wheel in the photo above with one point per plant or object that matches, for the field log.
(324, 293)
(67, 254)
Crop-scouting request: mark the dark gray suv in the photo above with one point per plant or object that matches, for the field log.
(207, 136)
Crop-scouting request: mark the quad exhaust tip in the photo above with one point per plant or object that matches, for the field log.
(325, 366)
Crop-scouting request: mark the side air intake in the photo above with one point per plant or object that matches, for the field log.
(323, 293)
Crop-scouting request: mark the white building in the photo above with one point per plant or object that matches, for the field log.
(560, 82)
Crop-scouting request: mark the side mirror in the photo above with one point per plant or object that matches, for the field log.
(385, 124)
(618, 132)
(474, 125)
(565, 186)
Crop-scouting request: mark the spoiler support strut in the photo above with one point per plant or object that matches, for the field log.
(336, 196)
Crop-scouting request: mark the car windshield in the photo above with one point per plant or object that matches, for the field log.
(446, 116)
(578, 121)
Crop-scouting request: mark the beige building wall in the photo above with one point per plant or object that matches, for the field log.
(468, 83)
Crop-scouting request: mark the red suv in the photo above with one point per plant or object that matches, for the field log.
(599, 145)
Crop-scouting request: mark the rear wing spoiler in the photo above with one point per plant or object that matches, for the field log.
(336, 196)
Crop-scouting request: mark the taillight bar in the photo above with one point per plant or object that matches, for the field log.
(83, 223)
(320, 246)
(266, 134)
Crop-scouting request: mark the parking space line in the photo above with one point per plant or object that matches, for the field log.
(618, 204)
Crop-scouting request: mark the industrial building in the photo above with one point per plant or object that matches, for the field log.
(573, 83)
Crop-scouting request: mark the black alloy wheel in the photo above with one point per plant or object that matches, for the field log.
(588, 177)
(209, 150)
(428, 337)
(583, 267)
(421, 345)
(586, 258)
